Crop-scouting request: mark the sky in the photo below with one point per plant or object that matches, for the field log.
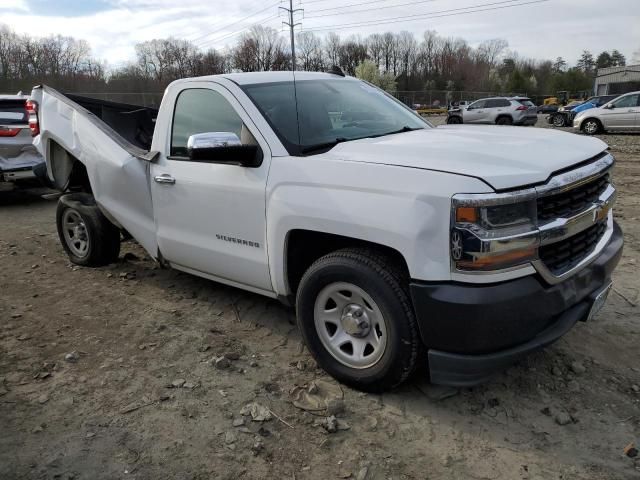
(537, 29)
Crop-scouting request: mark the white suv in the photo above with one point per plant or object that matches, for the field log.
(18, 156)
(497, 111)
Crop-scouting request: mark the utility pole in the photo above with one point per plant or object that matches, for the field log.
(291, 26)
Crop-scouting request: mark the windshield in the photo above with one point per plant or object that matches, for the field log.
(329, 112)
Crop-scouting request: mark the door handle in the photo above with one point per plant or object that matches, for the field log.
(165, 178)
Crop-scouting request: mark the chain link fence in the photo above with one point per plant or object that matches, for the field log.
(413, 99)
(444, 98)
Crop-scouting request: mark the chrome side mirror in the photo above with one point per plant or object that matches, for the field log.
(212, 140)
(223, 147)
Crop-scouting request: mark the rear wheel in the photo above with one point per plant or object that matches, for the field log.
(504, 121)
(356, 318)
(87, 236)
(591, 126)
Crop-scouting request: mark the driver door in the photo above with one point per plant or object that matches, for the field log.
(210, 215)
(474, 112)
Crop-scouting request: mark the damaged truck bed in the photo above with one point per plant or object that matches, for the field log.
(81, 133)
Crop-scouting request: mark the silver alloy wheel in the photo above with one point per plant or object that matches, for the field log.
(350, 325)
(591, 127)
(75, 233)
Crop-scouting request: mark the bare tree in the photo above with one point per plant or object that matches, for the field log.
(262, 48)
(375, 47)
(489, 51)
(351, 54)
(309, 51)
(332, 48)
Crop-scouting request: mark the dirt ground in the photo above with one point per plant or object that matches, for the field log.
(160, 365)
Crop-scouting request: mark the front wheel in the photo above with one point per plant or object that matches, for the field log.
(356, 318)
(87, 236)
(558, 121)
(591, 126)
(454, 120)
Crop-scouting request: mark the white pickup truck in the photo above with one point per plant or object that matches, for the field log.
(463, 247)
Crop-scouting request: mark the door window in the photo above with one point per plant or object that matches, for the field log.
(497, 103)
(200, 110)
(628, 101)
(477, 105)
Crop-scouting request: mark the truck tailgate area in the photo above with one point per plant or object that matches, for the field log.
(118, 169)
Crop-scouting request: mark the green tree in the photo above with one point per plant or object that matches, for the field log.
(586, 63)
(618, 59)
(518, 83)
(560, 65)
(604, 60)
(369, 71)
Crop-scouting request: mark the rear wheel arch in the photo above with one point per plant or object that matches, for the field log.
(68, 172)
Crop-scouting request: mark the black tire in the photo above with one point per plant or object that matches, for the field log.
(591, 126)
(559, 121)
(380, 278)
(102, 236)
(454, 120)
(504, 121)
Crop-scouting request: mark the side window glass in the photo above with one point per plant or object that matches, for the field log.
(504, 103)
(200, 110)
(628, 101)
(478, 104)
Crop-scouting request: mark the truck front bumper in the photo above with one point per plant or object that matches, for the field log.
(473, 331)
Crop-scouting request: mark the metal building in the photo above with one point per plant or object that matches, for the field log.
(617, 80)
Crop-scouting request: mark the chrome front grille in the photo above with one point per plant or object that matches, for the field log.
(575, 200)
(560, 257)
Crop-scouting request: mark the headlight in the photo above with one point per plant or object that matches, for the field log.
(494, 236)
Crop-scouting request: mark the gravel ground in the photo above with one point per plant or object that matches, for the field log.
(134, 372)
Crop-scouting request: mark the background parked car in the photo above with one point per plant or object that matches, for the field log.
(548, 108)
(498, 111)
(621, 114)
(17, 154)
(565, 115)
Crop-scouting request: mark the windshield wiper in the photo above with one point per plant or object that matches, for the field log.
(324, 146)
(401, 130)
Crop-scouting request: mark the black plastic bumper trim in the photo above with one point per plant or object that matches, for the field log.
(473, 330)
(468, 370)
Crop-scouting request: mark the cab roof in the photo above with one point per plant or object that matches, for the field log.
(250, 78)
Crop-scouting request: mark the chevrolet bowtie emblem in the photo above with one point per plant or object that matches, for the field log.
(601, 213)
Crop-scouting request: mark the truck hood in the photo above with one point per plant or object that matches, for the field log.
(504, 157)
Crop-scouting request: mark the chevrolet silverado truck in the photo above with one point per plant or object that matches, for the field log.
(461, 248)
